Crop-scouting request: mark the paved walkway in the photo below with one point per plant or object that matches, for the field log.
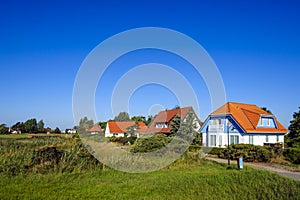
(282, 172)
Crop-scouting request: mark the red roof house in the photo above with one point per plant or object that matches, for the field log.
(118, 129)
(163, 121)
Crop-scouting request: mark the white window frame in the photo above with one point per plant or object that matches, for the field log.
(212, 138)
(251, 139)
(267, 138)
(236, 139)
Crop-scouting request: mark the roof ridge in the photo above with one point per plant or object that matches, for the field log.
(242, 103)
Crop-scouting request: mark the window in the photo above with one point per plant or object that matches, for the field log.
(277, 138)
(234, 139)
(251, 139)
(266, 122)
(216, 125)
(220, 140)
(161, 125)
(267, 138)
(212, 141)
(215, 122)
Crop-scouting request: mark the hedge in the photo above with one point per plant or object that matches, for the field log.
(292, 155)
(251, 153)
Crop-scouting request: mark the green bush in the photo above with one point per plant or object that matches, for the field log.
(132, 139)
(194, 148)
(121, 140)
(292, 155)
(216, 151)
(150, 144)
(252, 153)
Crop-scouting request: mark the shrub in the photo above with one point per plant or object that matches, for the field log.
(216, 151)
(195, 148)
(149, 144)
(292, 155)
(132, 139)
(252, 153)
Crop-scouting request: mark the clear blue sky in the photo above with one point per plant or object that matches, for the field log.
(255, 44)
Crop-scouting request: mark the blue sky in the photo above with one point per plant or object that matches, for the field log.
(255, 45)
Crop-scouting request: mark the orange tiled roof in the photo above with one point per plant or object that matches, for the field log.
(120, 127)
(95, 128)
(248, 115)
(165, 117)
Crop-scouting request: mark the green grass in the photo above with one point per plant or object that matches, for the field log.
(208, 181)
(26, 136)
(14, 136)
(188, 178)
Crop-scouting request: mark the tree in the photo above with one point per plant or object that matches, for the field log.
(19, 126)
(56, 130)
(187, 127)
(139, 118)
(175, 125)
(30, 126)
(150, 119)
(3, 129)
(294, 128)
(266, 109)
(84, 125)
(122, 117)
(102, 125)
(40, 126)
(131, 130)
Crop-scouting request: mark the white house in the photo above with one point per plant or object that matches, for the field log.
(71, 131)
(244, 124)
(118, 129)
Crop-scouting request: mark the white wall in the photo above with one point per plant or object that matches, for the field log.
(114, 134)
(257, 139)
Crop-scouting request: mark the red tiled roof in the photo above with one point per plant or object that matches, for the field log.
(165, 117)
(120, 127)
(95, 128)
(248, 115)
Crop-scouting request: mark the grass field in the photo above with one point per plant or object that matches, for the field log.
(188, 178)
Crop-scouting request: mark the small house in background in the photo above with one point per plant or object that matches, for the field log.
(71, 131)
(162, 123)
(244, 123)
(14, 131)
(119, 129)
(96, 129)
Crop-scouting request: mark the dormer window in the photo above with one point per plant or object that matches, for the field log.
(161, 125)
(266, 122)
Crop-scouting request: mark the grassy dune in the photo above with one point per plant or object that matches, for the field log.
(187, 178)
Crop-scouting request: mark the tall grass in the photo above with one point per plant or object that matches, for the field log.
(44, 155)
(62, 168)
